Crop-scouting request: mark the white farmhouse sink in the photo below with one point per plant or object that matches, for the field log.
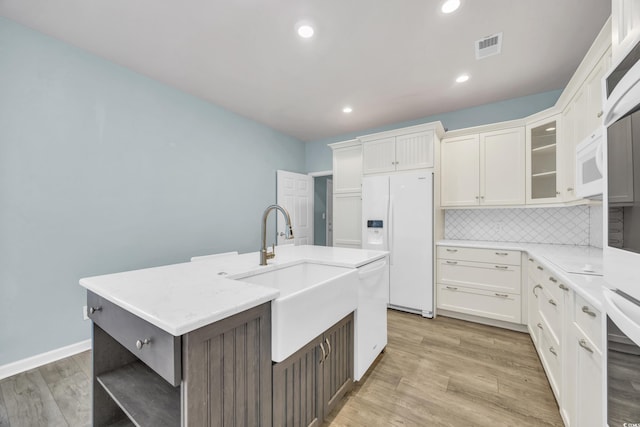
(312, 298)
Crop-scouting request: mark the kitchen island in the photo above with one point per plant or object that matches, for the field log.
(190, 343)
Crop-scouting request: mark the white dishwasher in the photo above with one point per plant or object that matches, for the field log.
(371, 315)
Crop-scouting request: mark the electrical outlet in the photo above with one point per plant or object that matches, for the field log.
(85, 314)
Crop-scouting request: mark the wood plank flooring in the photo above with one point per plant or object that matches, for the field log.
(442, 372)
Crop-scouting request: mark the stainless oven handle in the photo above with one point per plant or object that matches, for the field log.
(624, 313)
(624, 96)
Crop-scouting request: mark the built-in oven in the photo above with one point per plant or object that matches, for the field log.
(622, 251)
(623, 359)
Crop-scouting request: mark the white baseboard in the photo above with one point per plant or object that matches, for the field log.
(32, 362)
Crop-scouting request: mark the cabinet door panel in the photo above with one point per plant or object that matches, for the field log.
(347, 169)
(347, 216)
(338, 365)
(460, 171)
(588, 382)
(568, 156)
(502, 167)
(379, 156)
(543, 167)
(414, 151)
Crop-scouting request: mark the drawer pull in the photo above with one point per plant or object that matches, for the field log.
(585, 309)
(534, 289)
(502, 253)
(94, 309)
(141, 343)
(452, 262)
(452, 250)
(563, 287)
(540, 268)
(539, 325)
(530, 259)
(552, 302)
(553, 279)
(452, 288)
(502, 295)
(324, 354)
(583, 344)
(501, 267)
(553, 351)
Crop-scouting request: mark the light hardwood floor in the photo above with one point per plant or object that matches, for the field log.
(441, 372)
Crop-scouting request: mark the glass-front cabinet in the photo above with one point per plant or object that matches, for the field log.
(543, 175)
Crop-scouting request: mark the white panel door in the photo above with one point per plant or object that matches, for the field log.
(502, 182)
(411, 241)
(414, 151)
(379, 156)
(460, 171)
(295, 194)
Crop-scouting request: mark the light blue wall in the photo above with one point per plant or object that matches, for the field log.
(318, 155)
(104, 170)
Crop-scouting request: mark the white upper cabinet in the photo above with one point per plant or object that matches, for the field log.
(460, 165)
(486, 169)
(625, 26)
(400, 149)
(347, 167)
(379, 156)
(542, 161)
(502, 182)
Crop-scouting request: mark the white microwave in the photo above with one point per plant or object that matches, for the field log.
(589, 162)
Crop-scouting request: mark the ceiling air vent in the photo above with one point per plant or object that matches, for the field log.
(488, 46)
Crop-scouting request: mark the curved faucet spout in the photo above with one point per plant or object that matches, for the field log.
(288, 233)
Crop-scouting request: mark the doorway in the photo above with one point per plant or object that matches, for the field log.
(323, 210)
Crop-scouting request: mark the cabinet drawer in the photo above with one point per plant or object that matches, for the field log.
(551, 312)
(492, 305)
(551, 358)
(494, 256)
(491, 277)
(162, 352)
(589, 320)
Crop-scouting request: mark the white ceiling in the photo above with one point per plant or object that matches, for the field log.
(391, 60)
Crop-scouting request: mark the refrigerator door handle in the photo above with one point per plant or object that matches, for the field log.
(390, 230)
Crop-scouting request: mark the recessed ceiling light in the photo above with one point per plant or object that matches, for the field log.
(347, 109)
(462, 78)
(550, 129)
(450, 6)
(305, 31)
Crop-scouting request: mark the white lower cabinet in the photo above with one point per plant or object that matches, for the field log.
(480, 282)
(567, 332)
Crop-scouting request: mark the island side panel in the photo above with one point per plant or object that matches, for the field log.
(227, 371)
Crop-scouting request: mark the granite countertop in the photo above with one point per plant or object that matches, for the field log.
(552, 257)
(180, 298)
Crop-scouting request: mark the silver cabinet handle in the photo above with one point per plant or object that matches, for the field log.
(94, 309)
(451, 250)
(452, 262)
(539, 325)
(324, 354)
(329, 346)
(569, 188)
(583, 344)
(587, 310)
(599, 115)
(530, 259)
(557, 193)
(482, 197)
(501, 267)
(502, 295)
(540, 268)
(534, 289)
(453, 288)
(553, 279)
(563, 287)
(502, 253)
(553, 351)
(477, 197)
(552, 302)
(141, 343)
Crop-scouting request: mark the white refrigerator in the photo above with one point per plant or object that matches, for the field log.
(397, 216)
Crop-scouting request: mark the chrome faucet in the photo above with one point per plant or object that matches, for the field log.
(288, 234)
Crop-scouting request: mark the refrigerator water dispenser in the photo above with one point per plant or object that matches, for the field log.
(375, 230)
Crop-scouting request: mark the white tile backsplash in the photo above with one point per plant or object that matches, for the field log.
(573, 225)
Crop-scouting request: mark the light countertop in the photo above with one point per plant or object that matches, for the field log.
(180, 298)
(552, 257)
